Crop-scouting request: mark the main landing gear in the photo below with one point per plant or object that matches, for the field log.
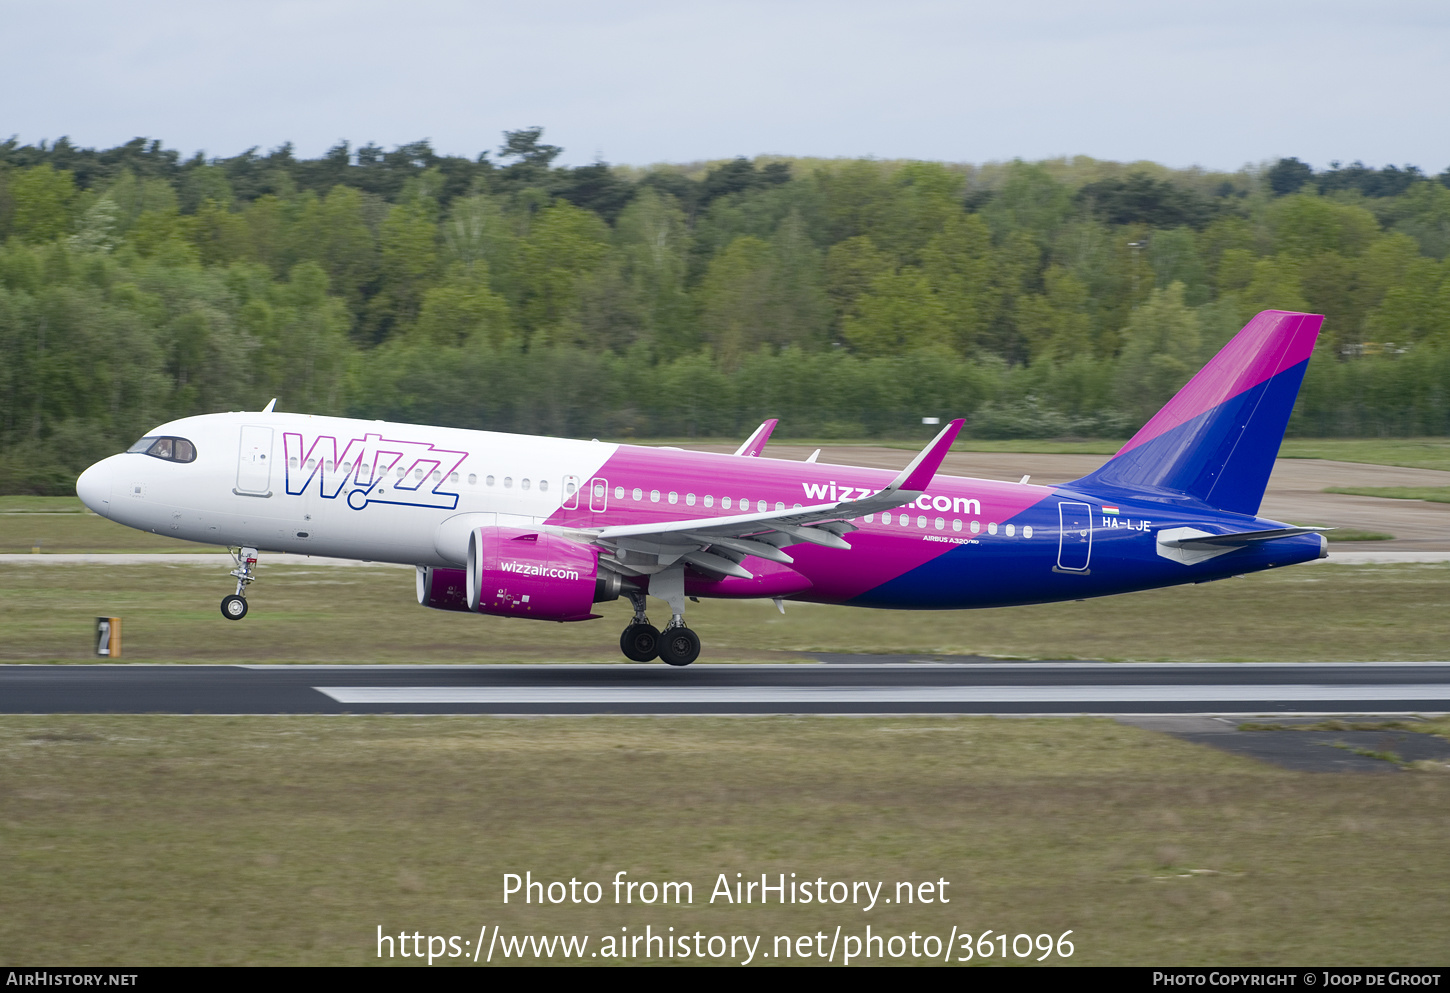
(234, 607)
(643, 642)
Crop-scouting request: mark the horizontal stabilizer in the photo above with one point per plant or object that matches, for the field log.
(1236, 539)
(1190, 546)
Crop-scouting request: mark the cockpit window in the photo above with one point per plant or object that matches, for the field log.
(170, 449)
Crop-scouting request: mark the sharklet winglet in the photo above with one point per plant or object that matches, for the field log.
(755, 444)
(918, 475)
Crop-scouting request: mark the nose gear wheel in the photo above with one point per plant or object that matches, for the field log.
(234, 607)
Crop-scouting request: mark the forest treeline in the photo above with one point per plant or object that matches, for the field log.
(848, 297)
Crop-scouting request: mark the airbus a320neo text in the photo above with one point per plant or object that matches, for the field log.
(545, 528)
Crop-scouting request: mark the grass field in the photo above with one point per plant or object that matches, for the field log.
(1318, 612)
(1434, 494)
(187, 840)
(62, 524)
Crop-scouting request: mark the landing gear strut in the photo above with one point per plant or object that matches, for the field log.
(677, 644)
(234, 607)
(640, 641)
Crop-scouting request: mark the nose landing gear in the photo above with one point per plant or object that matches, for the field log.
(234, 607)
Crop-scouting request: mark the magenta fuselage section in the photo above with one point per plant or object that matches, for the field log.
(962, 543)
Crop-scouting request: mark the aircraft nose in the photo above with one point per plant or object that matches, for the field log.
(94, 487)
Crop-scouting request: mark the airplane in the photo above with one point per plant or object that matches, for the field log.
(546, 528)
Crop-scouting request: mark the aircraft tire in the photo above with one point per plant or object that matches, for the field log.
(679, 646)
(640, 642)
(234, 607)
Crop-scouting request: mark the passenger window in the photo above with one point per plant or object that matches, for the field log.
(543, 486)
(524, 483)
(709, 500)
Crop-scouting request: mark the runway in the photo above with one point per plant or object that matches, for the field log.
(849, 688)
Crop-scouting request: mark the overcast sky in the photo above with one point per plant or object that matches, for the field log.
(1215, 84)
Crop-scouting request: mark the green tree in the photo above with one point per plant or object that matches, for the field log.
(1416, 309)
(1160, 353)
(1055, 324)
(959, 265)
(654, 241)
(407, 264)
(41, 198)
(898, 314)
(464, 310)
(1030, 201)
(1305, 224)
(1275, 285)
(564, 246)
(735, 300)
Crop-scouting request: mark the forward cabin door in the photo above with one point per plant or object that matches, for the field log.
(1075, 537)
(254, 462)
(598, 495)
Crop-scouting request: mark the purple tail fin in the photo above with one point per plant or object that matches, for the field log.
(1216, 440)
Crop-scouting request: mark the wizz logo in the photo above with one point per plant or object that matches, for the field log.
(372, 469)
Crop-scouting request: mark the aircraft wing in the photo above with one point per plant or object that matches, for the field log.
(718, 544)
(755, 444)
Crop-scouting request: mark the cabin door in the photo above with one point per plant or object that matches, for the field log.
(254, 462)
(1075, 536)
(598, 495)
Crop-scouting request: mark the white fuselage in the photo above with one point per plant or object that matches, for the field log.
(272, 481)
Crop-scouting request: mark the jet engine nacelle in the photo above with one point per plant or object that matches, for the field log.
(442, 589)
(520, 573)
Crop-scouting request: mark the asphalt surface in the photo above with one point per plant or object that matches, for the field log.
(1310, 744)
(907, 687)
